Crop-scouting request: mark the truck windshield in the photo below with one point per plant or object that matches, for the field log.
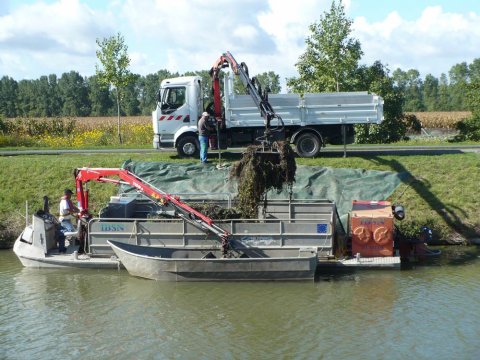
(173, 98)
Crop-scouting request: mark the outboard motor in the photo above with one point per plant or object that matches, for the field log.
(46, 207)
(416, 247)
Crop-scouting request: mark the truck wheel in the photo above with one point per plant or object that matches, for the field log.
(188, 146)
(307, 145)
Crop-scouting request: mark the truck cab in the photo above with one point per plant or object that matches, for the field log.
(179, 106)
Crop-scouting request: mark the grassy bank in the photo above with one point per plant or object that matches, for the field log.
(441, 191)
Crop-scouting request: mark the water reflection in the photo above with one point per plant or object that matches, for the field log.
(425, 312)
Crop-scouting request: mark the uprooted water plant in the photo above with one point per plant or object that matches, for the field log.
(257, 172)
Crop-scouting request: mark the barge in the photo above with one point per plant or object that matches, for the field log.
(287, 228)
(150, 224)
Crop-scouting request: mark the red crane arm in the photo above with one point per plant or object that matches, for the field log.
(84, 175)
(222, 62)
(253, 89)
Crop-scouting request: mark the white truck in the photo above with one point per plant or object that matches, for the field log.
(309, 121)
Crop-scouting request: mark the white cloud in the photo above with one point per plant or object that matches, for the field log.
(433, 43)
(190, 35)
(54, 37)
(245, 33)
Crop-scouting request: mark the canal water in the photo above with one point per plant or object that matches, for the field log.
(424, 312)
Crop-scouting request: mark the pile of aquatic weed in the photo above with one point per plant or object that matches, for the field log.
(215, 211)
(258, 172)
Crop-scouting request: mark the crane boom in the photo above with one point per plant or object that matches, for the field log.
(123, 176)
(253, 88)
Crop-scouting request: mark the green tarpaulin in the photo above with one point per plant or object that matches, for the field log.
(312, 182)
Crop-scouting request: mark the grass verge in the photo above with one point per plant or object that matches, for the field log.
(441, 191)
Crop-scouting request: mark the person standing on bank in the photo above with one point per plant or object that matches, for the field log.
(67, 209)
(204, 129)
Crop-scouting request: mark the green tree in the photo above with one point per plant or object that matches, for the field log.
(430, 93)
(74, 93)
(99, 97)
(472, 96)
(147, 89)
(55, 100)
(42, 90)
(444, 103)
(269, 81)
(474, 70)
(410, 85)
(238, 87)
(8, 97)
(114, 70)
(331, 57)
(399, 78)
(413, 95)
(37, 97)
(131, 95)
(376, 79)
(26, 98)
(458, 75)
(469, 129)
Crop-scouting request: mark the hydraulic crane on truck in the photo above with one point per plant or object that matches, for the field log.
(123, 176)
(253, 89)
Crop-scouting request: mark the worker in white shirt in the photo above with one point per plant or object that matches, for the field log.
(67, 210)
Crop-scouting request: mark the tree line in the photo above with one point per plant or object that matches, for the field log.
(446, 93)
(74, 95)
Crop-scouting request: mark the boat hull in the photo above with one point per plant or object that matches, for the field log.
(31, 255)
(188, 265)
(68, 262)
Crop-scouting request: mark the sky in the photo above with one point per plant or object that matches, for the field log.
(42, 37)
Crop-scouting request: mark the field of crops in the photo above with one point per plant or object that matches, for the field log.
(75, 132)
(89, 123)
(441, 119)
(433, 119)
(429, 120)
